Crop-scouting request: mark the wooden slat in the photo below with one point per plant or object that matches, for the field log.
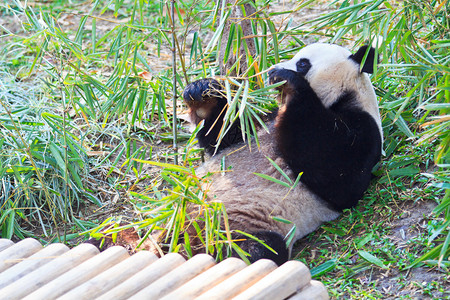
(314, 290)
(280, 283)
(5, 243)
(13, 254)
(49, 271)
(240, 281)
(31, 263)
(30, 272)
(145, 277)
(176, 277)
(207, 279)
(80, 274)
(112, 277)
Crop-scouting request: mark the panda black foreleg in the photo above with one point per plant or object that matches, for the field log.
(333, 149)
(259, 251)
(206, 102)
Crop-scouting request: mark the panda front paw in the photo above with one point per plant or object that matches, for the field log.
(204, 99)
(294, 80)
(278, 74)
(201, 90)
(295, 84)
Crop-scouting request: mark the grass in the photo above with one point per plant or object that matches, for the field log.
(377, 243)
(86, 122)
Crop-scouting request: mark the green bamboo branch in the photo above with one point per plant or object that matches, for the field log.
(30, 157)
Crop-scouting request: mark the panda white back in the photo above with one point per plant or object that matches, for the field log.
(251, 201)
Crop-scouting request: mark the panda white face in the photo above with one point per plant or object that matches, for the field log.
(316, 58)
(328, 69)
(331, 71)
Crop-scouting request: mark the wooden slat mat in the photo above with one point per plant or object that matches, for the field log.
(30, 271)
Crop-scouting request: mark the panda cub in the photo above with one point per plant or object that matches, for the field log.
(328, 128)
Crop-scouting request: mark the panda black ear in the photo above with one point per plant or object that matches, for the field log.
(370, 59)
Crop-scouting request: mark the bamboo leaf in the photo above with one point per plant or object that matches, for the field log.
(10, 224)
(57, 155)
(270, 178)
(372, 259)
(433, 253)
(279, 170)
(324, 268)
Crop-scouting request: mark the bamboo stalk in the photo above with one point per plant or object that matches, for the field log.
(174, 85)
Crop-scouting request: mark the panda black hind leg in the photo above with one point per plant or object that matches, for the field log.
(206, 102)
(259, 251)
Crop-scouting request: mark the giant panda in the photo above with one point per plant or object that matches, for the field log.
(327, 129)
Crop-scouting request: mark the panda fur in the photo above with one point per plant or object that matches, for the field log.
(328, 127)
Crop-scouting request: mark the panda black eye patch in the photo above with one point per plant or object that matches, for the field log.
(303, 66)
